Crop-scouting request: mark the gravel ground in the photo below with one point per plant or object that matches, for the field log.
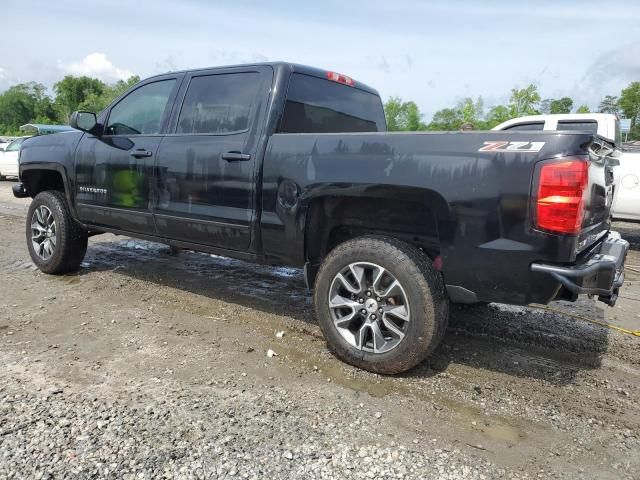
(149, 365)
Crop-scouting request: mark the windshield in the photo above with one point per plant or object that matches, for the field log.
(15, 145)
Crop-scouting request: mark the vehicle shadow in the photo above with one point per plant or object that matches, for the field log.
(551, 345)
(518, 341)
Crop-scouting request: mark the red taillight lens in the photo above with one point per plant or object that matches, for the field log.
(560, 203)
(340, 78)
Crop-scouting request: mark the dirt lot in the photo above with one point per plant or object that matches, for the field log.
(147, 365)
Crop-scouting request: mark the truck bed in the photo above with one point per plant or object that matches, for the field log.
(472, 198)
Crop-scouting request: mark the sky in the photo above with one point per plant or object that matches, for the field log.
(431, 52)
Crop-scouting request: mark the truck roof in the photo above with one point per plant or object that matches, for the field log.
(280, 65)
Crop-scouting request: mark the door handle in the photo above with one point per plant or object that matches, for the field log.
(141, 153)
(235, 156)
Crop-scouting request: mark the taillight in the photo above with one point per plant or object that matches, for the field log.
(340, 78)
(560, 200)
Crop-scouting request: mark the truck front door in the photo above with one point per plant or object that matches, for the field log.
(114, 171)
(206, 165)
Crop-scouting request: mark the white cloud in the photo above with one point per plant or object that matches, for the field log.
(98, 65)
(2, 75)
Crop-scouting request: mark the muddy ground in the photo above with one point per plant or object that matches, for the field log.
(146, 364)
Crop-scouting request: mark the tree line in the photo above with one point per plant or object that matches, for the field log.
(29, 103)
(405, 115)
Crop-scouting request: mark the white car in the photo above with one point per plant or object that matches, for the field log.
(626, 196)
(604, 124)
(626, 176)
(9, 158)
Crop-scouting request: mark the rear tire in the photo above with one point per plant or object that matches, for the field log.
(56, 242)
(403, 319)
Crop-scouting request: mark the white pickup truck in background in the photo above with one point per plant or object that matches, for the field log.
(626, 196)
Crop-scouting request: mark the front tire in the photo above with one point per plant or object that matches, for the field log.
(381, 304)
(56, 242)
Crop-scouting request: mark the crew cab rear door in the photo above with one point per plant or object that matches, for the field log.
(206, 165)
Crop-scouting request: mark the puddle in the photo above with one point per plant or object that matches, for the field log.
(491, 427)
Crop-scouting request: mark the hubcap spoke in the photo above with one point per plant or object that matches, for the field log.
(399, 312)
(378, 338)
(347, 284)
(391, 290)
(399, 334)
(369, 307)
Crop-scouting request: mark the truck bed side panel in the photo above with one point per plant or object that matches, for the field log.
(481, 200)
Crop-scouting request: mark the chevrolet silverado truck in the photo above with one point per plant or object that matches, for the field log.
(285, 164)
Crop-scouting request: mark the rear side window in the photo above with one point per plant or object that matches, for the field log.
(315, 105)
(219, 104)
(588, 125)
(528, 127)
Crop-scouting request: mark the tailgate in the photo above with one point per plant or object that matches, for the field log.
(599, 193)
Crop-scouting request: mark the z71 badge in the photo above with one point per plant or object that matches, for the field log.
(503, 146)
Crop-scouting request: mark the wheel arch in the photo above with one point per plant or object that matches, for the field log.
(39, 177)
(420, 217)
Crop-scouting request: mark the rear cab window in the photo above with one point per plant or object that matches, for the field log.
(583, 125)
(317, 105)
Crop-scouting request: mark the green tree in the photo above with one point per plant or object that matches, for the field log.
(496, 115)
(630, 103)
(71, 92)
(24, 103)
(470, 110)
(402, 116)
(562, 105)
(446, 119)
(583, 109)
(95, 102)
(545, 105)
(609, 104)
(524, 101)
(467, 110)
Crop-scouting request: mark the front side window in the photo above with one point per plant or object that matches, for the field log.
(526, 127)
(219, 104)
(141, 112)
(316, 105)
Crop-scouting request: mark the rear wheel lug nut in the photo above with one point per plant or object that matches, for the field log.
(380, 310)
(378, 299)
(361, 300)
(363, 311)
(368, 293)
(373, 316)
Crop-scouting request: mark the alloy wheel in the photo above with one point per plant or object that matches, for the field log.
(369, 307)
(43, 232)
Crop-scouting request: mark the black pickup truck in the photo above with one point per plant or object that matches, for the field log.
(290, 165)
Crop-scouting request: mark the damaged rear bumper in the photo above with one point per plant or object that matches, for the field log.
(601, 273)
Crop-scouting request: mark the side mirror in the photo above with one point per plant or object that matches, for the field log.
(85, 121)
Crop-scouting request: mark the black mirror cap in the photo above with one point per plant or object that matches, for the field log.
(85, 121)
